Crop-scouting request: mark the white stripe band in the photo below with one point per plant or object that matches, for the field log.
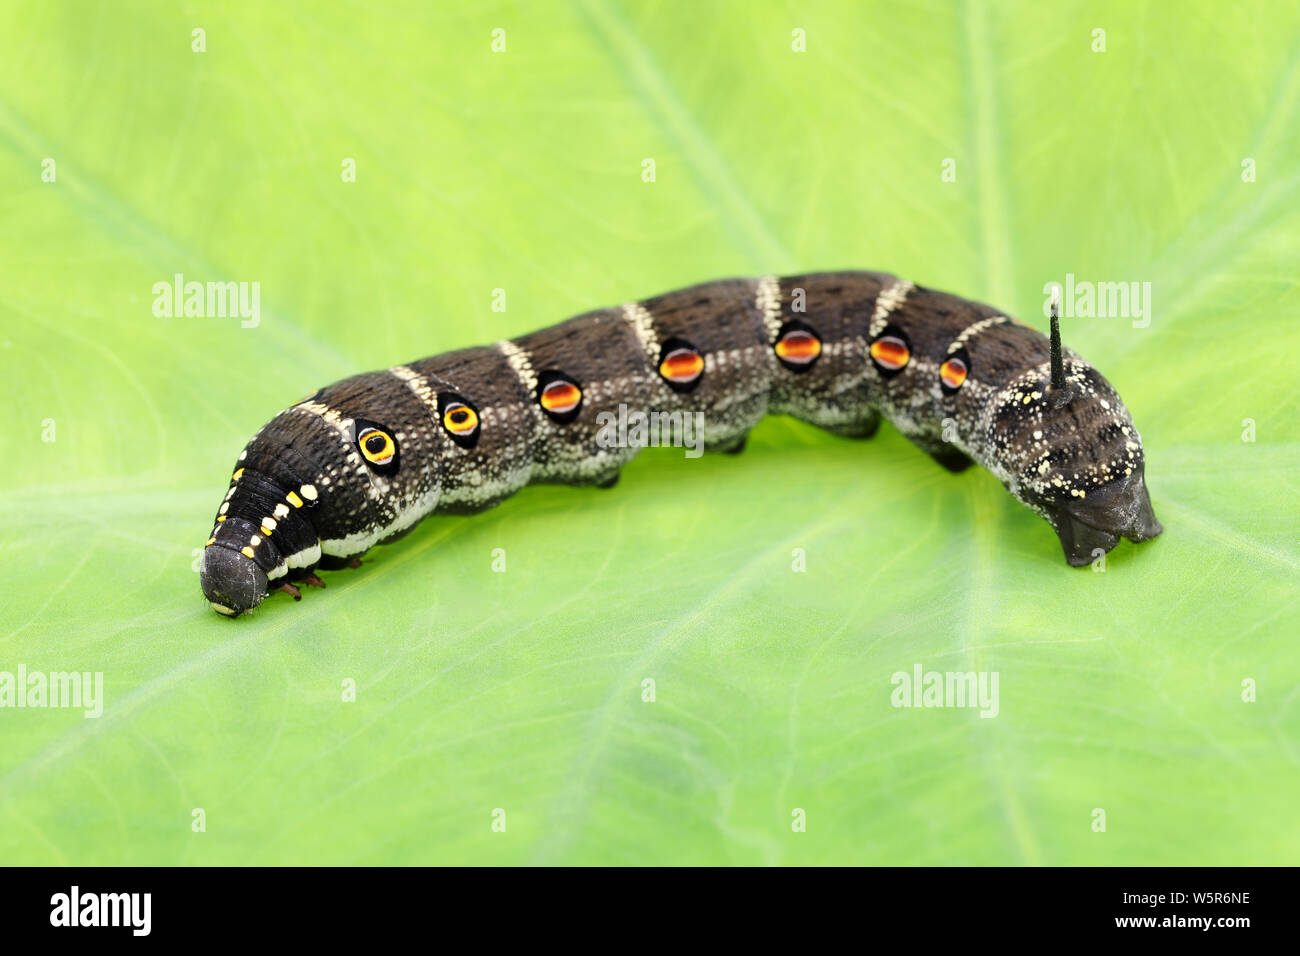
(519, 362)
(418, 384)
(889, 300)
(644, 325)
(768, 303)
(975, 329)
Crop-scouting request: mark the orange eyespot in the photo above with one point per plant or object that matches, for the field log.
(560, 397)
(681, 366)
(953, 373)
(890, 352)
(797, 348)
(459, 419)
(377, 446)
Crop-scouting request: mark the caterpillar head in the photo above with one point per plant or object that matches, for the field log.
(318, 486)
(1066, 446)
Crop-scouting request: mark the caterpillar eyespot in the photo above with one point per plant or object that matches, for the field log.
(377, 447)
(559, 396)
(891, 351)
(797, 346)
(1008, 398)
(953, 371)
(460, 419)
(681, 366)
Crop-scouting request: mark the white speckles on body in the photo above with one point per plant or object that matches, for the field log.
(362, 541)
(374, 484)
(1028, 468)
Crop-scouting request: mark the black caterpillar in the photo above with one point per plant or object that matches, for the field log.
(362, 461)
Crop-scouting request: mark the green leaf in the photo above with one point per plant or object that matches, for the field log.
(523, 691)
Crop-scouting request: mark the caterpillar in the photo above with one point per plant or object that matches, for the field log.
(362, 461)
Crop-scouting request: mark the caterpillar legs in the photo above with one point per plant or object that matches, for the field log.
(866, 428)
(309, 579)
(945, 453)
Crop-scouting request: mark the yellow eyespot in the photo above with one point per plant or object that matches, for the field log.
(459, 419)
(377, 446)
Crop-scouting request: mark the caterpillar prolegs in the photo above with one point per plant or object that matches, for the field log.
(362, 461)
